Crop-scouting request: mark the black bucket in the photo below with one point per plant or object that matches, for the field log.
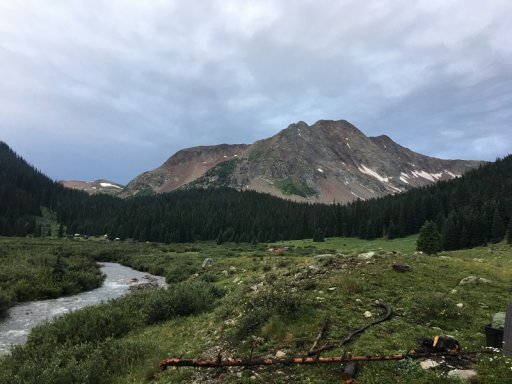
(493, 336)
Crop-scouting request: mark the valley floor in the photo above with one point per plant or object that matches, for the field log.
(251, 300)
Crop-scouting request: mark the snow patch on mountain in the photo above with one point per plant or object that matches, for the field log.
(370, 172)
(105, 185)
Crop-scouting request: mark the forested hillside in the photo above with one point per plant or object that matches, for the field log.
(471, 210)
(23, 191)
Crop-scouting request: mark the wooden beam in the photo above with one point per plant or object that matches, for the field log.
(178, 362)
(507, 332)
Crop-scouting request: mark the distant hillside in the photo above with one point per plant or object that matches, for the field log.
(328, 161)
(182, 168)
(23, 190)
(96, 186)
(471, 210)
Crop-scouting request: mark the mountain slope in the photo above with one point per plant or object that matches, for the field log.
(331, 161)
(96, 186)
(182, 168)
(470, 210)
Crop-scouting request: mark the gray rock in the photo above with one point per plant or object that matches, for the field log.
(474, 280)
(429, 364)
(207, 262)
(366, 256)
(462, 374)
(469, 280)
(256, 287)
(400, 267)
(325, 255)
(280, 354)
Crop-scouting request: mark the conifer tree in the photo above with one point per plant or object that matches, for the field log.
(451, 233)
(498, 228)
(429, 239)
(318, 236)
(392, 230)
(220, 238)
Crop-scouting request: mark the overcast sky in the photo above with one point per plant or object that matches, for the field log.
(109, 89)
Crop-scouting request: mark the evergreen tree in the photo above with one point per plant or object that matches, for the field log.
(220, 238)
(451, 233)
(60, 233)
(392, 231)
(464, 238)
(319, 235)
(429, 239)
(509, 232)
(497, 228)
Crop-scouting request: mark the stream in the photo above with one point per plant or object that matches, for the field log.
(21, 318)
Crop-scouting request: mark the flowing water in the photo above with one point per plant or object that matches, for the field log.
(22, 318)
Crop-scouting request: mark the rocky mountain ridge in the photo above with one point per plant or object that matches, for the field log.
(331, 161)
(325, 162)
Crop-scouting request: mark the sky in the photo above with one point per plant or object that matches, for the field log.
(109, 89)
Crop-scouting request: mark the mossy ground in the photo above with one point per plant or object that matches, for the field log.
(292, 293)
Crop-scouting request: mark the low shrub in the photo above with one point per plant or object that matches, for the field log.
(437, 310)
(5, 303)
(276, 300)
(85, 346)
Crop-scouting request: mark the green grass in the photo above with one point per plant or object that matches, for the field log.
(352, 244)
(289, 298)
(290, 187)
(34, 269)
(221, 173)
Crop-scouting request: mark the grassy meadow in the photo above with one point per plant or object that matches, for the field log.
(255, 301)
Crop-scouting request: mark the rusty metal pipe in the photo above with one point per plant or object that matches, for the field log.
(178, 362)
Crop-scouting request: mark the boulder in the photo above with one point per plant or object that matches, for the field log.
(429, 364)
(207, 262)
(462, 374)
(256, 287)
(325, 255)
(400, 267)
(474, 280)
(366, 256)
(280, 355)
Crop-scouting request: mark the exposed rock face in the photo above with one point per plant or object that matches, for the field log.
(328, 161)
(182, 168)
(96, 186)
(331, 161)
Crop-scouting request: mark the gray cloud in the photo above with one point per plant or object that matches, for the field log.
(110, 89)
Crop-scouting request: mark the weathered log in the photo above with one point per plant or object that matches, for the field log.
(178, 362)
(355, 333)
(321, 334)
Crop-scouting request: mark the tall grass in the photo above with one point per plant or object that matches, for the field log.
(85, 346)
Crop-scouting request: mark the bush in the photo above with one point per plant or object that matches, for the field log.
(5, 303)
(276, 300)
(437, 310)
(429, 239)
(85, 346)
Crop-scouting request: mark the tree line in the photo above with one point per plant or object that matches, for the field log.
(471, 210)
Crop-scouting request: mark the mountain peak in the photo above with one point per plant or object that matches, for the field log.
(329, 160)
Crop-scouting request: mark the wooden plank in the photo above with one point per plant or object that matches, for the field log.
(234, 362)
(507, 333)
